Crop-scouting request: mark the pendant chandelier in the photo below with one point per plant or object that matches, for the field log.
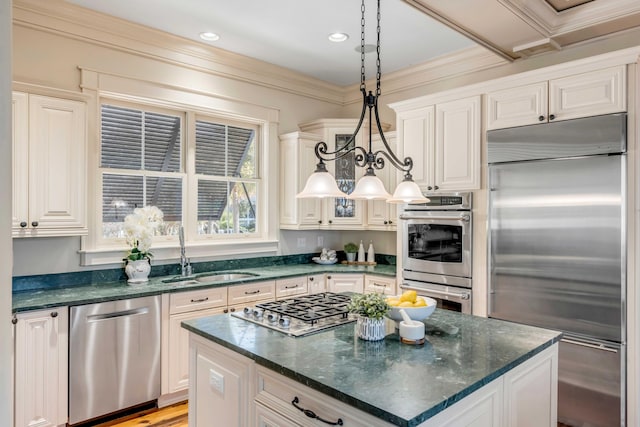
(322, 184)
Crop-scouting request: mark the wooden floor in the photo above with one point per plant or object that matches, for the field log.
(171, 416)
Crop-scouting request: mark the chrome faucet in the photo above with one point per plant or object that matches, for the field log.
(185, 265)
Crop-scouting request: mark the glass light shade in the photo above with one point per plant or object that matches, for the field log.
(319, 185)
(407, 192)
(369, 187)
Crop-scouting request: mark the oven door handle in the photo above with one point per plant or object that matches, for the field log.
(461, 295)
(465, 218)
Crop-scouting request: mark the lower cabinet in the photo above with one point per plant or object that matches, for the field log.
(232, 390)
(291, 287)
(41, 354)
(316, 283)
(345, 283)
(379, 284)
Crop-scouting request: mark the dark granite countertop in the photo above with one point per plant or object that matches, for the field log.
(399, 383)
(109, 291)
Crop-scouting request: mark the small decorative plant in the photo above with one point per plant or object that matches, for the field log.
(373, 306)
(351, 248)
(139, 229)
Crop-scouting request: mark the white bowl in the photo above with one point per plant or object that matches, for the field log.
(415, 313)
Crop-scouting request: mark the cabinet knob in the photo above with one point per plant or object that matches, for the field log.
(330, 221)
(435, 187)
(34, 223)
(14, 320)
(311, 279)
(54, 314)
(541, 118)
(226, 310)
(329, 277)
(429, 187)
(23, 224)
(552, 117)
(390, 222)
(320, 222)
(232, 310)
(386, 222)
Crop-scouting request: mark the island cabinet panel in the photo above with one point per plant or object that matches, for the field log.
(224, 386)
(345, 283)
(290, 398)
(291, 287)
(41, 354)
(531, 392)
(266, 417)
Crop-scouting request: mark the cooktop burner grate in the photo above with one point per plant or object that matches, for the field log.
(310, 308)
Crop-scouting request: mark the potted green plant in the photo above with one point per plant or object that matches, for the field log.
(350, 249)
(370, 309)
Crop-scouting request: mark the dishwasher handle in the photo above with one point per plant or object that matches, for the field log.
(118, 314)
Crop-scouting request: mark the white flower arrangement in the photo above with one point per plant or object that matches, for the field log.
(139, 228)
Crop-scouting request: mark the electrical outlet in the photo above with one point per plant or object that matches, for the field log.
(320, 241)
(302, 242)
(216, 381)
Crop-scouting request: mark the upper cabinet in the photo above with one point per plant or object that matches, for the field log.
(580, 95)
(380, 214)
(49, 166)
(298, 161)
(444, 142)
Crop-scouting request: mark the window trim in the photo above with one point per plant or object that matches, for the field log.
(98, 86)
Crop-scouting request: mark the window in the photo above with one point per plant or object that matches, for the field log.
(140, 163)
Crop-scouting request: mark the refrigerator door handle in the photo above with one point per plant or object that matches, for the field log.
(590, 344)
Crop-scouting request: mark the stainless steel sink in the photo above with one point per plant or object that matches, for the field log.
(221, 277)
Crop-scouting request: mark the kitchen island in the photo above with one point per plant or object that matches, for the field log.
(470, 371)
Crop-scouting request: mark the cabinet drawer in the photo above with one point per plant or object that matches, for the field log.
(378, 284)
(252, 292)
(182, 302)
(277, 393)
(291, 287)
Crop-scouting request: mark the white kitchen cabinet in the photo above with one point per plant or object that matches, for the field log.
(41, 354)
(444, 142)
(380, 214)
(291, 287)
(240, 295)
(223, 391)
(581, 95)
(298, 161)
(316, 283)
(186, 306)
(345, 282)
(379, 284)
(49, 166)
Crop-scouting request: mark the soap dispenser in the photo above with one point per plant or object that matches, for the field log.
(371, 255)
(361, 252)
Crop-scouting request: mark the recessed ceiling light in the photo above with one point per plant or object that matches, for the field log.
(338, 37)
(209, 36)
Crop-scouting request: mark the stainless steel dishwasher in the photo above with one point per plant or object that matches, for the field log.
(114, 356)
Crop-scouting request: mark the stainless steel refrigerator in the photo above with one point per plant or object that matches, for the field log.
(557, 233)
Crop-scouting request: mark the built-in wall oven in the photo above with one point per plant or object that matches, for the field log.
(436, 249)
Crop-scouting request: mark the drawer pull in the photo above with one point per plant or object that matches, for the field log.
(200, 300)
(252, 292)
(291, 287)
(309, 413)
(380, 285)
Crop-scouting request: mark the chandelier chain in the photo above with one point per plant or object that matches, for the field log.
(378, 70)
(362, 74)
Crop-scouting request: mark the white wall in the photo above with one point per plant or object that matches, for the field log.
(6, 340)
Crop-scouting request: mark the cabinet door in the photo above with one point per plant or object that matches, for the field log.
(57, 168)
(345, 283)
(588, 94)
(41, 368)
(457, 154)
(311, 213)
(380, 214)
(20, 154)
(519, 106)
(178, 357)
(316, 283)
(416, 135)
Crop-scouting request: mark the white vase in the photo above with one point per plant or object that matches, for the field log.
(370, 329)
(138, 271)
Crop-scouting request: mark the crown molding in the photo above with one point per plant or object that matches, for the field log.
(68, 20)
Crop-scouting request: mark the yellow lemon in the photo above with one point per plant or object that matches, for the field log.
(393, 302)
(406, 304)
(419, 303)
(409, 296)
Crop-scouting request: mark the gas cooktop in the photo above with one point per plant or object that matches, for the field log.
(302, 315)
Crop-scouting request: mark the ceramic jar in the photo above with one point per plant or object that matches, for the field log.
(370, 329)
(138, 271)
